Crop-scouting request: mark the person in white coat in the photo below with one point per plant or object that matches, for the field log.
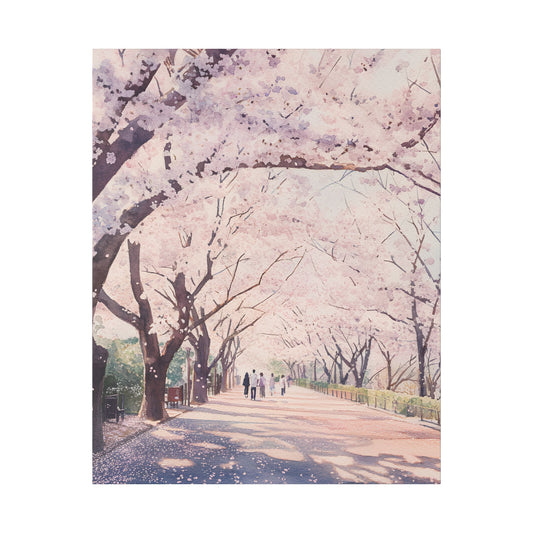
(272, 384)
(253, 385)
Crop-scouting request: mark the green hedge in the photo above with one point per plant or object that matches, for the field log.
(406, 404)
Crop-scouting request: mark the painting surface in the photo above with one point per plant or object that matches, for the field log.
(266, 214)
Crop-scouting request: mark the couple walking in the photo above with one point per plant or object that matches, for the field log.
(251, 382)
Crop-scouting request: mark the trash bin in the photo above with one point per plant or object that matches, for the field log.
(111, 407)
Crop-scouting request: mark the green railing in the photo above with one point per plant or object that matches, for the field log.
(410, 406)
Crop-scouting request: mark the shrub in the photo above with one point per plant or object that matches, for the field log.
(124, 373)
(403, 404)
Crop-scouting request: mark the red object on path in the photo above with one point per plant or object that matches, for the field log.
(175, 394)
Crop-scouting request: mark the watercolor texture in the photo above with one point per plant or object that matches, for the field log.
(277, 211)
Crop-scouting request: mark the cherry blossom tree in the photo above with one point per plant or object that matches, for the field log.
(231, 352)
(401, 278)
(393, 375)
(366, 287)
(211, 221)
(311, 109)
(166, 121)
(156, 361)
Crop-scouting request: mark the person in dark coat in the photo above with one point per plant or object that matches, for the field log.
(246, 383)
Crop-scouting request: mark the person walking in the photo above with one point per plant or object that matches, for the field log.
(246, 383)
(282, 384)
(253, 385)
(262, 385)
(272, 384)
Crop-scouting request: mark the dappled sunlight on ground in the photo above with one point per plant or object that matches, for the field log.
(339, 460)
(208, 445)
(280, 453)
(304, 437)
(229, 465)
(243, 439)
(167, 435)
(175, 463)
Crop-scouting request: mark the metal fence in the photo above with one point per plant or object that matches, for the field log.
(396, 405)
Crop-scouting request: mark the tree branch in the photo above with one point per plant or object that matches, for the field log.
(106, 249)
(390, 316)
(133, 136)
(119, 311)
(208, 276)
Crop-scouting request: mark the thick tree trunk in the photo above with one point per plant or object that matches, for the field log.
(224, 385)
(100, 356)
(199, 388)
(201, 367)
(153, 404)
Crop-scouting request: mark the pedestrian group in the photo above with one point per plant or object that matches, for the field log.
(251, 382)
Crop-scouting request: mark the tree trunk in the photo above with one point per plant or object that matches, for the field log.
(100, 356)
(153, 404)
(366, 358)
(201, 367)
(421, 347)
(422, 390)
(199, 388)
(225, 375)
(358, 378)
(326, 370)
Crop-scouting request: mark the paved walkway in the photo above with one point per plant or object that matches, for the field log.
(304, 437)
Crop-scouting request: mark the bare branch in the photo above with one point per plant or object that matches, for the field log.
(390, 316)
(166, 297)
(118, 310)
(208, 276)
(297, 265)
(435, 70)
(228, 300)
